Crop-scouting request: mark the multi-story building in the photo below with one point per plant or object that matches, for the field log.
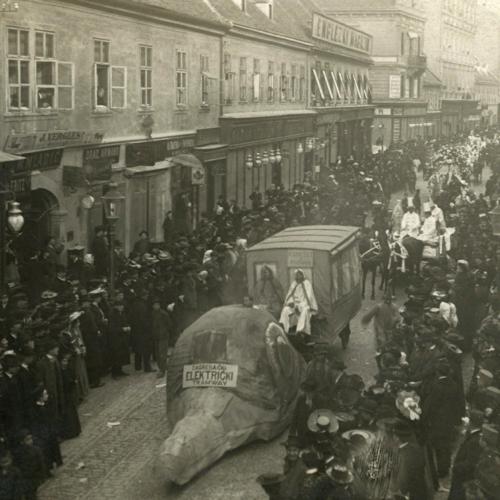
(94, 91)
(487, 92)
(295, 94)
(397, 27)
(487, 39)
(449, 40)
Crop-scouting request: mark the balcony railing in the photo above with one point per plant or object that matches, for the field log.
(417, 61)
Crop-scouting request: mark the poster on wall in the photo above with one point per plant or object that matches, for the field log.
(394, 86)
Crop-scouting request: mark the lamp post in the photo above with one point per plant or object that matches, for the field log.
(112, 202)
(12, 219)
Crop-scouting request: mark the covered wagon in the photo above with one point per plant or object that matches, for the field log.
(329, 258)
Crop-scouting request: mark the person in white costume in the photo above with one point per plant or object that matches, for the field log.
(438, 214)
(300, 304)
(410, 224)
(429, 231)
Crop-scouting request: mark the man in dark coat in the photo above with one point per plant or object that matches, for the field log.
(48, 372)
(441, 412)
(11, 399)
(467, 457)
(27, 383)
(410, 478)
(91, 338)
(11, 487)
(31, 463)
(119, 339)
(142, 245)
(99, 249)
(161, 326)
(140, 334)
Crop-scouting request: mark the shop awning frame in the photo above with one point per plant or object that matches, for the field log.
(358, 91)
(318, 83)
(328, 86)
(339, 94)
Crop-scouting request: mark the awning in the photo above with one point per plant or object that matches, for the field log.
(318, 84)
(357, 88)
(328, 86)
(5, 157)
(148, 169)
(186, 160)
(339, 94)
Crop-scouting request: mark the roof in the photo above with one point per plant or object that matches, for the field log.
(195, 11)
(291, 19)
(323, 238)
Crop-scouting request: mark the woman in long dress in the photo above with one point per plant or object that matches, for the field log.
(75, 338)
(268, 292)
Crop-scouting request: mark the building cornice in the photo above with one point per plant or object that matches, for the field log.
(152, 14)
(396, 12)
(269, 37)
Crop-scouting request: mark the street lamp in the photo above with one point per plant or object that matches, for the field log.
(112, 202)
(9, 219)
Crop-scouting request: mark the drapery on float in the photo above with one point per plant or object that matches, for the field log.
(233, 378)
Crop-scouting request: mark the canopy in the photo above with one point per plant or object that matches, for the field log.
(186, 160)
(5, 157)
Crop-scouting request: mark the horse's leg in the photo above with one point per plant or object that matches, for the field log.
(364, 281)
(374, 277)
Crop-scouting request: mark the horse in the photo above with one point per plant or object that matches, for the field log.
(371, 258)
(415, 248)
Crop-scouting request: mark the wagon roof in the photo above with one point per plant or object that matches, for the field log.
(323, 238)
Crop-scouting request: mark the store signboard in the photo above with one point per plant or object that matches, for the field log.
(18, 143)
(210, 375)
(337, 33)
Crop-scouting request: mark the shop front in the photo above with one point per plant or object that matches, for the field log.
(265, 150)
(157, 183)
(460, 115)
(398, 122)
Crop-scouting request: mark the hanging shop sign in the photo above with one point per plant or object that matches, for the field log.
(17, 143)
(148, 153)
(198, 176)
(110, 153)
(41, 160)
(334, 32)
(20, 184)
(210, 375)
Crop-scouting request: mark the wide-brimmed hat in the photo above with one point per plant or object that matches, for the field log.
(323, 421)
(48, 295)
(339, 473)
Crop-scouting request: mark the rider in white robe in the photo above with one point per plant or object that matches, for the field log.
(300, 304)
(410, 224)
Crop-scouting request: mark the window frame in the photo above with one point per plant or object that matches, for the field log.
(270, 81)
(146, 69)
(243, 80)
(181, 71)
(71, 86)
(302, 83)
(19, 59)
(204, 70)
(118, 87)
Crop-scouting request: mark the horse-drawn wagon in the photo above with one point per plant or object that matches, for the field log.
(329, 258)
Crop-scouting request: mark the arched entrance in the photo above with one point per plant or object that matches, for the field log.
(37, 207)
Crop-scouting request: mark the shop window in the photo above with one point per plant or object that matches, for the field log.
(270, 81)
(229, 80)
(181, 78)
(243, 79)
(146, 75)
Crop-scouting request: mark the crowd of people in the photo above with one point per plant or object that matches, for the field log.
(61, 334)
(424, 424)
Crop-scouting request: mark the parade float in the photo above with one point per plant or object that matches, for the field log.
(233, 378)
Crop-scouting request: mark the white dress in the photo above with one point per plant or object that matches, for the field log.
(304, 304)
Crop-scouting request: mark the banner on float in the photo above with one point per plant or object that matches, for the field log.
(210, 375)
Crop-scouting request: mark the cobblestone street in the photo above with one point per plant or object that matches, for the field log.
(119, 461)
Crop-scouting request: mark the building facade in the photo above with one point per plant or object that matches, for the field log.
(397, 27)
(94, 94)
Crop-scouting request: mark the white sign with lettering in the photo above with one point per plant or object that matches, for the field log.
(300, 258)
(210, 375)
(394, 86)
